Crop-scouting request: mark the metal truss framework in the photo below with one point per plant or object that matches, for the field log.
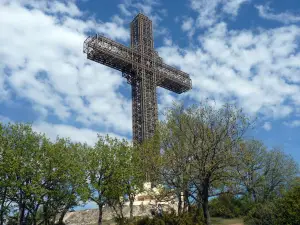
(144, 70)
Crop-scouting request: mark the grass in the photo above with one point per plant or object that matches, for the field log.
(221, 221)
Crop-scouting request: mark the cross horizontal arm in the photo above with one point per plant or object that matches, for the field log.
(117, 56)
(173, 79)
(108, 52)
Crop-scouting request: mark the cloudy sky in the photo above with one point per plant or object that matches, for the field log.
(240, 51)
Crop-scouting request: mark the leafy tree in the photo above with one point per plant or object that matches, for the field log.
(64, 178)
(175, 168)
(264, 174)
(38, 177)
(126, 181)
(5, 183)
(102, 161)
(250, 167)
(150, 157)
(280, 172)
(23, 145)
(207, 139)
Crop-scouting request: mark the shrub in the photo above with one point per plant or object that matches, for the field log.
(170, 219)
(288, 208)
(284, 211)
(228, 206)
(261, 214)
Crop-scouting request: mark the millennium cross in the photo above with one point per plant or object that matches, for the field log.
(143, 69)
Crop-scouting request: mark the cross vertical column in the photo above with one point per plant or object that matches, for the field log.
(144, 100)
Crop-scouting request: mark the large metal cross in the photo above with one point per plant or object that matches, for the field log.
(143, 69)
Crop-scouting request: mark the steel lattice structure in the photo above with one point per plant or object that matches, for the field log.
(143, 69)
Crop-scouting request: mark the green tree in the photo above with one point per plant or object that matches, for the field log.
(64, 178)
(208, 138)
(41, 178)
(126, 181)
(102, 161)
(175, 165)
(279, 173)
(250, 167)
(23, 147)
(264, 174)
(5, 182)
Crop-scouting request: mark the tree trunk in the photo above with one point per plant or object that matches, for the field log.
(254, 196)
(62, 215)
(206, 212)
(2, 210)
(1, 216)
(21, 213)
(34, 220)
(205, 203)
(46, 216)
(100, 214)
(199, 207)
(179, 208)
(121, 213)
(27, 219)
(131, 199)
(186, 201)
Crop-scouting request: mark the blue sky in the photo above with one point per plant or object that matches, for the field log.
(241, 51)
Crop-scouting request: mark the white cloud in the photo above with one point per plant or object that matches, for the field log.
(124, 10)
(255, 69)
(4, 92)
(151, 8)
(232, 7)
(211, 11)
(188, 26)
(132, 7)
(267, 126)
(47, 66)
(82, 135)
(54, 7)
(5, 120)
(292, 124)
(168, 41)
(285, 17)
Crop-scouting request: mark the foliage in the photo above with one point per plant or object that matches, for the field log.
(261, 214)
(198, 145)
(281, 211)
(43, 178)
(197, 153)
(288, 208)
(113, 174)
(263, 174)
(226, 206)
(251, 163)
